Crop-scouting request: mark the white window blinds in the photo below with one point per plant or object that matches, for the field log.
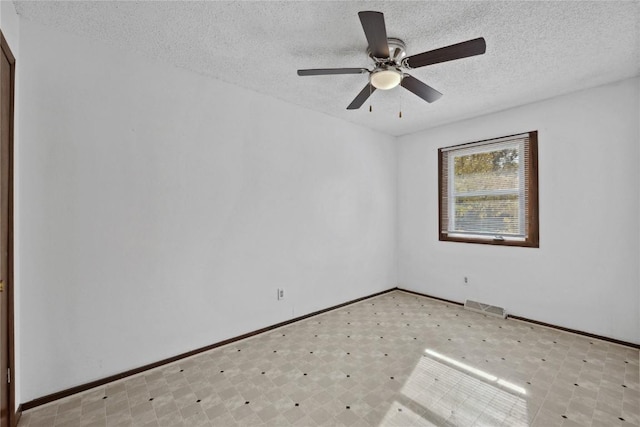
(484, 189)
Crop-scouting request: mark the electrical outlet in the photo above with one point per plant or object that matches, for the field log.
(280, 294)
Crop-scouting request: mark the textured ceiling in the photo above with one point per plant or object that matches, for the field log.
(535, 50)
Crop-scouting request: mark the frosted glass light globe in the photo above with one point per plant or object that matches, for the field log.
(385, 79)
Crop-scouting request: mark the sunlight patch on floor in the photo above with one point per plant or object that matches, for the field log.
(476, 371)
(451, 392)
(399, 415)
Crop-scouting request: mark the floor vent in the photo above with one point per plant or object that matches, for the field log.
(485, 308)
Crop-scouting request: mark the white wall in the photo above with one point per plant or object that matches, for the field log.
(161, 209)
(9, 23)
(585, 274)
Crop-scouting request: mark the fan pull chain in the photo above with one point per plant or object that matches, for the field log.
(400, 112)
(370, 92)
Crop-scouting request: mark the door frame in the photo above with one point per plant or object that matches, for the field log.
(14, 415)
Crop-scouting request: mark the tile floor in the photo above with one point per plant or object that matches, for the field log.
(396, 360)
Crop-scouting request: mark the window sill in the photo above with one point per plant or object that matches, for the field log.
(525, 243)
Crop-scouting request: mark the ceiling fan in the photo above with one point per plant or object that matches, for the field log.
(391, 63)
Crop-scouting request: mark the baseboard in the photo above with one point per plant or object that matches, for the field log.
(97, 383)
(430, 296)
(17, 416)
(575, 331)
(537, 322)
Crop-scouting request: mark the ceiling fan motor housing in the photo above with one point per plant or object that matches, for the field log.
(397, 51)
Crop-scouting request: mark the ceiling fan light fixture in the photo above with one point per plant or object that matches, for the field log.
(385, 79)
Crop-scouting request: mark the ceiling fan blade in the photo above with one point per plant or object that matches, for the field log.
(376, 32)
(330, 71)
(424, 91)
(448, 53)
(362, 97)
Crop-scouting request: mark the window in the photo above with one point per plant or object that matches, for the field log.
(489, 191)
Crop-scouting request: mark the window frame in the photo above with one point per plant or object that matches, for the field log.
(532, 238)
